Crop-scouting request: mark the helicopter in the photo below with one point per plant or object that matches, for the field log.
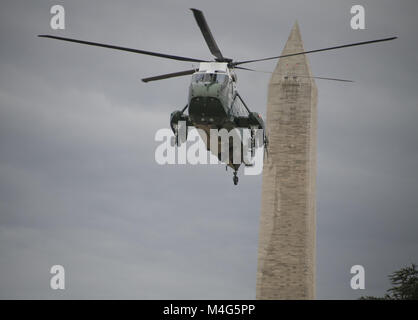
(213, 99)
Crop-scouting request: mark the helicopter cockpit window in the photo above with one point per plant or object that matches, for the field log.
(210, 77)
(198, 77)
(221, 78)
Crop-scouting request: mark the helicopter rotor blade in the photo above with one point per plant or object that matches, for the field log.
(207, 34)
(150, 53)
(323, 78)
(317, 50)
(169, 75)
(248, 69)
(297, 75)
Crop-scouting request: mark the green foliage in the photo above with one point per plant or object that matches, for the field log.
(404, 285)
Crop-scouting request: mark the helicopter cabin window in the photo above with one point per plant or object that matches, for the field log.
(210, 77)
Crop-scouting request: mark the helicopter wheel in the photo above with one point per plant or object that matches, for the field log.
(235, 178)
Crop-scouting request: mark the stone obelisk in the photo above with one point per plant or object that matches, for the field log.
(286, 253)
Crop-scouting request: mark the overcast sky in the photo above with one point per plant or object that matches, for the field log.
(79, 185)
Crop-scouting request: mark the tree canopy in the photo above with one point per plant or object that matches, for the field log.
(404, 285)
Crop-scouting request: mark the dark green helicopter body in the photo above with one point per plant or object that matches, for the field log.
(214, 103)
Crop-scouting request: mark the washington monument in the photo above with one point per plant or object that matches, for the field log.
(286, 253)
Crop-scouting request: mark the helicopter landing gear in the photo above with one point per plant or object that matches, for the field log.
(176, 135)
(252, 142)
(235, 178)
(175, 141)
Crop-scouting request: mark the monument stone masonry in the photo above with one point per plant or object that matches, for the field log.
(286, 252)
